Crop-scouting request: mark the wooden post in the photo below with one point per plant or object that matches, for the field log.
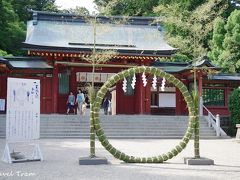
(217, 125)
(238, 131)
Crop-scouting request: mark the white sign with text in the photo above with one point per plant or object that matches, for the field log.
(23, 109)
(22, 119)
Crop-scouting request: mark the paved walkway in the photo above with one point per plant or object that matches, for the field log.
(61, 161)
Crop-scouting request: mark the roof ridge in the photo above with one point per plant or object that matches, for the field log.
(54, 16)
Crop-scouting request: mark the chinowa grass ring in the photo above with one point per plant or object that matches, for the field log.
(159, 73)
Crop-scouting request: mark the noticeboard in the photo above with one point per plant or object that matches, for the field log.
(23, 109)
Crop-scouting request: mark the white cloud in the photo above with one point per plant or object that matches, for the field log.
(66, 4)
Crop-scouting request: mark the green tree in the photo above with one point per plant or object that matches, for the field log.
(184, 4)
(81, 11)
(101, 2)
(234, 104)
(126, 7)
(3, 53)
(12, 31)
(45, 5)
(226, 43)
(96, 59)
(217, 40)
(22, 7)
(190, 31)
(141, 7)
(13, 16)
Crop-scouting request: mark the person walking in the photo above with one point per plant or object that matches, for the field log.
(80, 100)
(70, 103)
(106, 105)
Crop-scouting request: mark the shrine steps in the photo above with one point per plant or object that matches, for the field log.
(117, 127)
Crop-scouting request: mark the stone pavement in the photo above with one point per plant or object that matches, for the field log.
(61, 161)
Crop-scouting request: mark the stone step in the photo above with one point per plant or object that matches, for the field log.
(121, 132)
(123, 137)
(117, 122)
(116, 126)
(123, 128)
(118, 131)
(126, 132)
(136, 126)
(120, 126)
(3, 122)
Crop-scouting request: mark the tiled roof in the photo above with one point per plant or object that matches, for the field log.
(135, 35)
(25, 63)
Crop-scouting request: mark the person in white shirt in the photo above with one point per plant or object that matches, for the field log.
(80, 100)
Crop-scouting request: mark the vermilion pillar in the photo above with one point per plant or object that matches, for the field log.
(200, 84)
(226, 95)
(178, 102)
(55, 88)
(139, 95)
(142, 96)
(73, 81)
(147, 98)
(200, 90)
(182, 103)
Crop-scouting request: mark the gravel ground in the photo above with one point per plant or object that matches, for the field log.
(61, 161)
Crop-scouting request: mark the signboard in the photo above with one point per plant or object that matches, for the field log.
(2, 104)
(23, 109)
(23, 118)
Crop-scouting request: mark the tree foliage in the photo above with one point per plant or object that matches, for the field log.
(226, 43)
(12, 31)
(81, 11)
(3, 53)
(126, 7)
(13, 18)
(185, 4)
(22, 7)
(45, 5)
(234, 104)
(190, 31)
(141, 7)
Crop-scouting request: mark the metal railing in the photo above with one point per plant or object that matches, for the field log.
(214, 121)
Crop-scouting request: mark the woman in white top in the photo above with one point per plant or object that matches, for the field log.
(80, 100)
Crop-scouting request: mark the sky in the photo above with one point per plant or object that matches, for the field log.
(66, 4)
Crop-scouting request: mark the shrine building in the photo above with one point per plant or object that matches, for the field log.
(60, 47)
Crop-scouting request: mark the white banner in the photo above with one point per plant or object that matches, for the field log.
(167, 99)
(23, 109)
(87, 77)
